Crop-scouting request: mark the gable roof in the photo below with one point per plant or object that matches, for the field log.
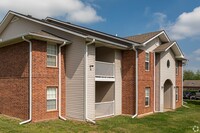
(164, 47)
(143, 39)
(88, 31)
(191, 83)
(174, 47)
(40, 35)
(72, 29)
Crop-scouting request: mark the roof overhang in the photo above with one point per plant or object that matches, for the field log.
(176, 50)
(33, 36)
(93, 31)
(9, 16)
(107, 43)
(162, 35)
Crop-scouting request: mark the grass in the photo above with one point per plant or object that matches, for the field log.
(180, 121)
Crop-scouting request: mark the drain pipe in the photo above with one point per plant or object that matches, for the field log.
(30, 81)
(182, 89)
(59, 80)
(136, 83)
(154, 75)
(86, 81)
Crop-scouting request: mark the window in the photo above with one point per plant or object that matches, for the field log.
(176, 68)
(51, 98)
(168, 63)
(147, 61)
(147, 97)
(176, 93)
(51, 55)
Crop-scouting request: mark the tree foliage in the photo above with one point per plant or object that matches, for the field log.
(190, 75)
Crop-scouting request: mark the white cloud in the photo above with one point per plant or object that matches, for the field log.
(71, 10)
(186, 25)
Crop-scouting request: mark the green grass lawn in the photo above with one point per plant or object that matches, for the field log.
(180, 121)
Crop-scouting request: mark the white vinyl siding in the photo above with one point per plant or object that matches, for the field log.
(118, 83)
(147, 97)
(51, 98)
(176, 94)
(147, 57)
(51, 55)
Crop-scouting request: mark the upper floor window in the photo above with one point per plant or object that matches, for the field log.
(147, 56)
(51, 55)
(147, 97)
(176, 67)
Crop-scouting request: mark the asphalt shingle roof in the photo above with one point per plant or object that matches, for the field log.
(163, 47)
(142, 38)
(191, 83)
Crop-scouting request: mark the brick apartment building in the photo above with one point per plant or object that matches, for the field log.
(52, 69)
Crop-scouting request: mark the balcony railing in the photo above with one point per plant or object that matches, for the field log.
(104, 109)
(104, 69)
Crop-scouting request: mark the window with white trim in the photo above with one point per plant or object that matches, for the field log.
(147, 61)
(51, 55)
(51, 98)
(176, 67)
(176, 93)
(147, 97)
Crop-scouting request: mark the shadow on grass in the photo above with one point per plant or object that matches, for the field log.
(194, 102)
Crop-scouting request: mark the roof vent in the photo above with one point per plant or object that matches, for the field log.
(29, 16)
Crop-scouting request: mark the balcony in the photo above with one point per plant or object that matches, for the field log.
(104, 71)
(104, 109)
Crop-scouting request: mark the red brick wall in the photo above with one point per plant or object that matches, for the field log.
(179, 81)
(43, 77)
(128, 82)
(14, 80)
(145, 79)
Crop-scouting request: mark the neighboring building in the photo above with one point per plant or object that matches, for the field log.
(52, 69)
(191, 85)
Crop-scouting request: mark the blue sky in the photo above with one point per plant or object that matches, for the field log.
(180, 18)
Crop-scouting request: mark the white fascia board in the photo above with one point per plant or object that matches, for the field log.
(36, 35)
(5, 21)
(127, 41)
(170, 46)
(163, 32)
(109, 42)
(46, 37)
(52, 26)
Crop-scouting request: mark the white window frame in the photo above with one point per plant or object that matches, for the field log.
(176, 96)
(56, 55)
(147, 96)
(52, 99)
(177, 67)
(147, 61)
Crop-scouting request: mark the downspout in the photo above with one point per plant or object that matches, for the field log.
(154, 81)
(59, 80)
(86, 81)
(182, 89)
(136, 83)
(30, 82)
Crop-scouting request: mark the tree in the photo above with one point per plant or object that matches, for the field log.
(190, 75)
